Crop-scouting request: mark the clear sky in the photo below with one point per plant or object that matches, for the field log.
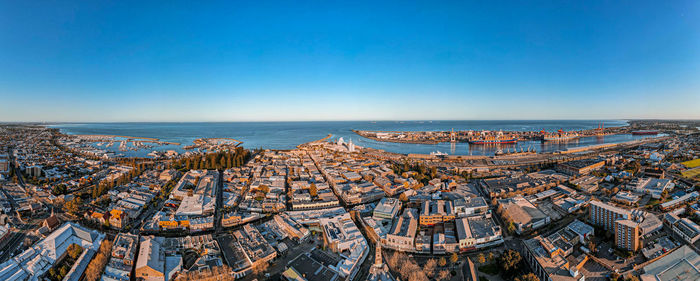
(348, 60)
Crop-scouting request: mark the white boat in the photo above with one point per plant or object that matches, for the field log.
(438, 153)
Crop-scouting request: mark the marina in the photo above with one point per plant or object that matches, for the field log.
(429, 136)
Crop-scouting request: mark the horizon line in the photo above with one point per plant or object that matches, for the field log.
(337, 120)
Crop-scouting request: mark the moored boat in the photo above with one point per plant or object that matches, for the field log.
(499, 138)
(559, 136)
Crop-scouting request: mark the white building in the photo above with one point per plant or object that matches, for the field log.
(37, 260)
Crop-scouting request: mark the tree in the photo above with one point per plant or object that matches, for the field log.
(63, 271)
(264, 188)
(511, 227)
(491, 257)
(393, 261)
(429, 268)
(73, 206)
(481, 258)
(417, 276)
(96, 266)
(444, 275)
(442, 262)
(454, 258)
(74, 251)
(527, 277)
(260, 268)
(59, 189)
(509, 260)
(52, 272)
(313, 191)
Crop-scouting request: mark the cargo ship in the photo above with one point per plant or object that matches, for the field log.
(645, 132)
(560, 136)
(489, 139)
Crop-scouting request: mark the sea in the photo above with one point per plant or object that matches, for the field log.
(287, 135)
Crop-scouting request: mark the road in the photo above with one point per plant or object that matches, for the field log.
(219, 203)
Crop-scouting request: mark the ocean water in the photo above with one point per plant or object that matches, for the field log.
(287, 135)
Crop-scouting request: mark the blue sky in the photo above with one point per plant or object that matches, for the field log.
(328, 60)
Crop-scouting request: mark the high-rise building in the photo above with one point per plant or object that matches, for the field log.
(627, 235)
(625, 224)
(605, 215)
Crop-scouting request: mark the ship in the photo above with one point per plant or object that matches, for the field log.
(645, 132)
(438, 153)
(560, 136)
(488, 139)
(515, 152)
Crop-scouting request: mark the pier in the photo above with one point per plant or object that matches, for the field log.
(96, 138)
(316, 141)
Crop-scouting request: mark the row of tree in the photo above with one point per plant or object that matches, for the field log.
(103, 186)
(214, 160)
(510, 226)
(93, 272)
(217, 273)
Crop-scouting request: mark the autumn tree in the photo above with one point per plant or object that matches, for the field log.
(73, 206)
(481, 258)
(313, 191)
(444, 275)
(429, 268)
(74, 251)
(509, 260)
(94, 269)
(442, 262)
(260, 268)
(527, 277)
(511, 227)
(454, 258)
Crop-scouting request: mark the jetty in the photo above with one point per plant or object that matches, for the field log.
(316, 141)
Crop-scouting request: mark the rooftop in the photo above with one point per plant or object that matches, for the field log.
(681, 264)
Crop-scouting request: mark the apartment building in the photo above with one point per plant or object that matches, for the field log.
(605, 215)
(436, 211)
(627, 235)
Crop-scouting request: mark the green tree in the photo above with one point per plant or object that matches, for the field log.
(52, 273)
(62, 272)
